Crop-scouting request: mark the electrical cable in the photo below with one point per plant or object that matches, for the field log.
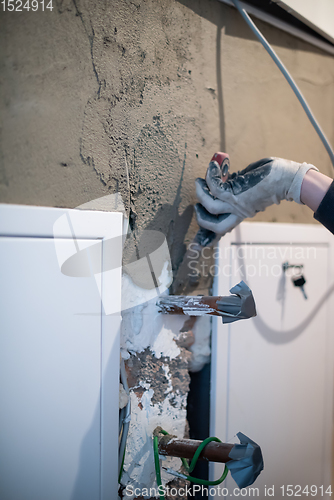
(189, 468)
(157, 464)
(288, 77)
(124, 423)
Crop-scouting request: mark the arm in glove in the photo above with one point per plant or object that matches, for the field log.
(223, 205)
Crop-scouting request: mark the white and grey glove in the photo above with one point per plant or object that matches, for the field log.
(223, 205)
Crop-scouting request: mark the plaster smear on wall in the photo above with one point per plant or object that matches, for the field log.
(157, 377)
(201, 348)
(139, 461)
(142, 325)
(160, 398)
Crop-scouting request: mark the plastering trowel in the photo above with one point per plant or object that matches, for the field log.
(203, 238)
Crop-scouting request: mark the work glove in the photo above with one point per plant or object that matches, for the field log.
(223, 205)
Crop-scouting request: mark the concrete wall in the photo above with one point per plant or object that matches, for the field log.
(135, 96)
(98, 95)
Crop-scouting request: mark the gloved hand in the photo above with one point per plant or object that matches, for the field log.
(223, 205)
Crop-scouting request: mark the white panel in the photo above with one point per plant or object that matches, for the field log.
(50, 375)
(272, 377)
(59, 360)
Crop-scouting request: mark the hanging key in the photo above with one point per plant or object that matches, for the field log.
(300, 282)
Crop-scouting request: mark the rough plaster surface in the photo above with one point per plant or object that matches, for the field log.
(135, 96)
(157, 373)
(170, 414)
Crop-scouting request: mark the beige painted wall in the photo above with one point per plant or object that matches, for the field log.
(99, 96)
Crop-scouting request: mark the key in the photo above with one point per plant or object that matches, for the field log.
(300, 282)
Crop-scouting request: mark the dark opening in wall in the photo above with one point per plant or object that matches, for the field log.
(198, 415)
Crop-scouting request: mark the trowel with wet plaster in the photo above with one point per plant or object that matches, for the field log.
(204, 238)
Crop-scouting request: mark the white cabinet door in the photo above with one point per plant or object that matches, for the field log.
(272, 375)
(59, 358)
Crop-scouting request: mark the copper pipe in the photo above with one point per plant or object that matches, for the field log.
(185, 448)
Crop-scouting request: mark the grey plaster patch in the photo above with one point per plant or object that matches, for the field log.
(134, 132)
(144, 366)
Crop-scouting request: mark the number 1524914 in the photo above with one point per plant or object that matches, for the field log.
(26, 5)
(290, 490)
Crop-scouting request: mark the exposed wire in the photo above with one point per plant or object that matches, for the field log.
(189, 468)
(124, 423)
(157, 464)
(288, 77)
(121, 418)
